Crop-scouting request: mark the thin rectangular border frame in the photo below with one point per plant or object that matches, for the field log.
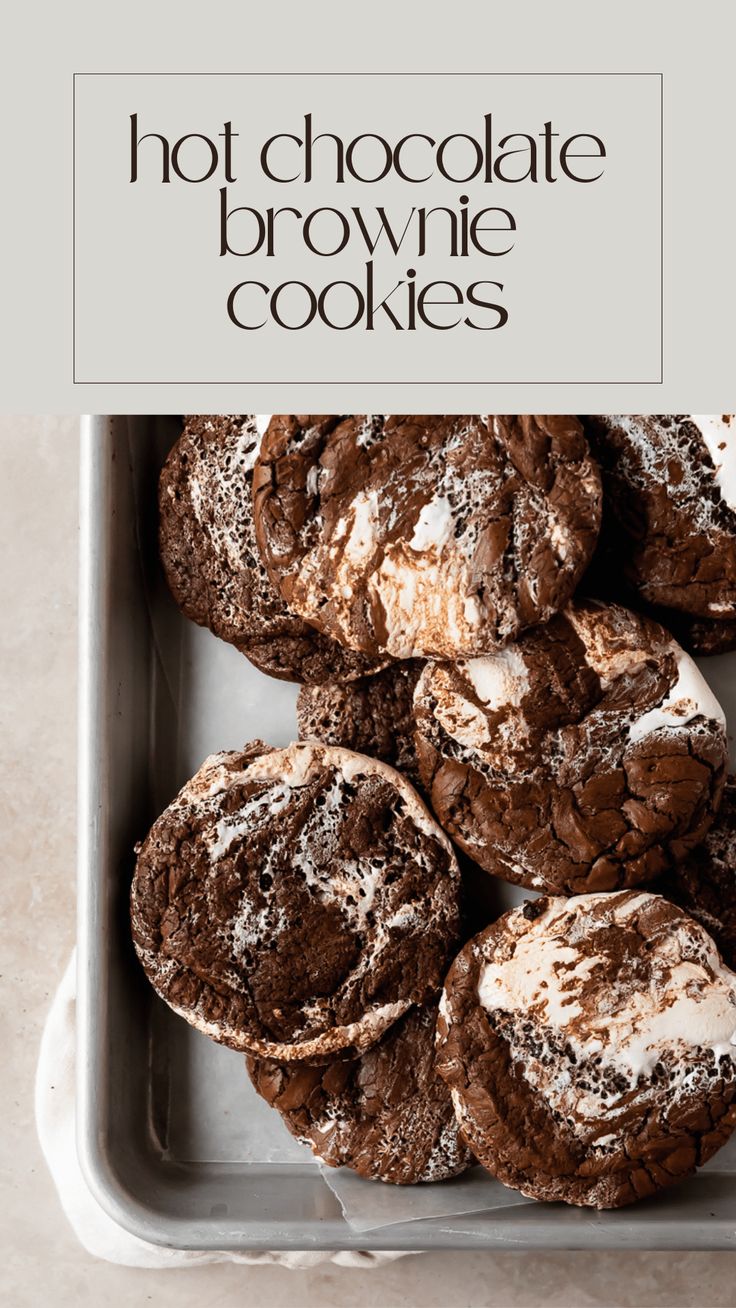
(367, 382)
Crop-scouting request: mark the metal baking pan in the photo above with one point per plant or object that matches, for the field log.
(170, 1137)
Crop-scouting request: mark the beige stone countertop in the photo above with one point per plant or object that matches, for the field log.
(40, 1260)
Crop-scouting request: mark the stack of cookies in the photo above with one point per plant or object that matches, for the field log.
(476, 702)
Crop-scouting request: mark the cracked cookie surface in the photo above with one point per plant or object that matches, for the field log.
(374, 716)
(387, 1115)
(425, 535)
(295, 902)
(588, 755)
(208, 548)
(701, 636)
(670, 506)
(590, 1047)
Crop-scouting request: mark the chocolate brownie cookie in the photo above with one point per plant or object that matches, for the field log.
(431, 535)
(670, 483)
(589, 755)
(705, 883)
(704, 636)
(212, 565)
(374, 716)
(387, 1114)
(699, 636)
(295, 902)
(590, 1047)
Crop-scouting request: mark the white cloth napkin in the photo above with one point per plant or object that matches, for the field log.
(99, 1234)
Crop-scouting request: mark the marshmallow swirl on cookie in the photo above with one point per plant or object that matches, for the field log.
(208, 549)
(295, 902)
(588, 755)
(670, 491)
(425, 535)
(590, 1047)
